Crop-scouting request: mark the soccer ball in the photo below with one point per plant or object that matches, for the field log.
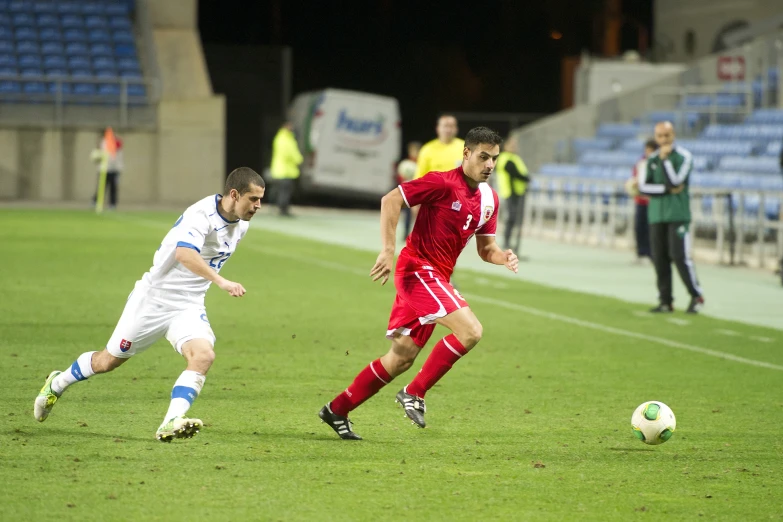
(653, 422)
(406, 169)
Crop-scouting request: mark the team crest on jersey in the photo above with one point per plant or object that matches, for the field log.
(125, 345)
(487, 212)
(456, 206)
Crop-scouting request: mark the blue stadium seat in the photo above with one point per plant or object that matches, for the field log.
(119, 22)
(45, 7)
(766, 116)
(620, 130)
(5, 19)
(761, 164)
(48, 20)
(77, 48)
(7, 87)
(27, 46)
(23, 20)
(103, 62)
(125, 50)
(55, 61)
(128, 64)
(99, 35)
(65, 7)
(56, 72)
(95, 22)
(131, 74)
(105, 73)
(7, 46)
(20, 6)
(71, 20)
(719, 147)
(50, 34)
(7, 60)
(74, 35)
(632, 145)
(81, 73)
(6, 33)
(610, 157)
(744, 131)
(78, 62)
(52, 48)
(62, 87)
(581, 145)
(29, 60)
(101, 49)
(35, 88)
(109, 89)
(117, 9)
(689, 119)
(773, 149)
(26, 33)
(8, 70)
(93, 8)
(554, 169)
(123, 36)
(32, 72)
(87, 89)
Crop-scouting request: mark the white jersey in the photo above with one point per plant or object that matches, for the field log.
(202, 228)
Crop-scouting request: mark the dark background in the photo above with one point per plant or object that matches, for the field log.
(488, 56)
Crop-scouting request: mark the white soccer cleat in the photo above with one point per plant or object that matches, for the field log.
(46, 398)
(178, 428)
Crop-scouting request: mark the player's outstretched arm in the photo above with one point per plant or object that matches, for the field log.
(491, 252)
(391, 205)
(191, 260)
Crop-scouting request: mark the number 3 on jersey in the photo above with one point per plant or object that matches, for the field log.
(467, 223)
(217, 261)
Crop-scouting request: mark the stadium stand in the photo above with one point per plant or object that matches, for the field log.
(82, 51)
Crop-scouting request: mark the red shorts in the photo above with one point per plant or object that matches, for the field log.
(423, 296)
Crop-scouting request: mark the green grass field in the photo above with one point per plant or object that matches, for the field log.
(533, 425)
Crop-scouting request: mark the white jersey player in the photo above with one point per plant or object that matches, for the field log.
(168, 301)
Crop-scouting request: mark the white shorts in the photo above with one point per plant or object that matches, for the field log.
(151, 314)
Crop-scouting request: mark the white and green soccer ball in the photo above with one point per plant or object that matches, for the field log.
(653, 422)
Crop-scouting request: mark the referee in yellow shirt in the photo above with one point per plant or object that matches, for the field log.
(443, 153)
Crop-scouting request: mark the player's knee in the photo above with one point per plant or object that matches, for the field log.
(471, 334)
(205, 357)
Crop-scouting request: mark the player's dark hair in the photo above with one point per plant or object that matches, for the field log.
(448, 115)
(651, 144)
(241, 179)
(478, 135)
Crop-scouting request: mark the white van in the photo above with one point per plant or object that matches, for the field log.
(350, 142)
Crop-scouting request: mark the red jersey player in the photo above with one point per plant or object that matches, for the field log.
(455, 206)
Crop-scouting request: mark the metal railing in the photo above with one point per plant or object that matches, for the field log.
(599, 212)
(60, 101)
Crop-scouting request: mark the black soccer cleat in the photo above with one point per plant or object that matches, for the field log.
(414, 407)
(662, 309)
(696, 304)
(341, 425)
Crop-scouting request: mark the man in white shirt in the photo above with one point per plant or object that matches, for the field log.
(168, 301)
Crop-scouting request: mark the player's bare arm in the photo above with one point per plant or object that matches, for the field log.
(491, 252)
(191, 260)
(391, 205)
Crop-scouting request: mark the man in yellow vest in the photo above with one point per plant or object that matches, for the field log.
(512, 179)
(286, 159)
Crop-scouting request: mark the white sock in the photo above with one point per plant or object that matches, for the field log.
(185, 391)
(80, 370)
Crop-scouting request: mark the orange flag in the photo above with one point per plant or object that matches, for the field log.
(111, 142)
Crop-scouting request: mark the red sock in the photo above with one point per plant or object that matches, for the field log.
(448, 351)
(365, 385)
